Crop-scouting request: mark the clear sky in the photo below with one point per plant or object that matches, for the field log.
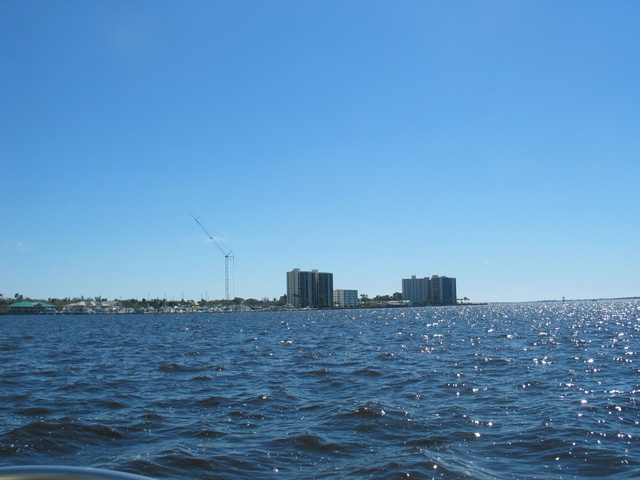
(497, 142)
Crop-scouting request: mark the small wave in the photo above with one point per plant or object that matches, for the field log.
(496, 360)
(147, 467)
(212, 401)
(317, 372)
(368, 372)
(308, 408)
(308, 443)
(207, 433)
(386, 468)
(429, 441)
(34, 411)
(388, 356)
(110, 404)
(151, 416)
(369, 409)
(186, 461)
(46, 436)
(172, 367)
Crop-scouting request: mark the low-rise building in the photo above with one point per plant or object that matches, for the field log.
(345, 298)
(22, 308)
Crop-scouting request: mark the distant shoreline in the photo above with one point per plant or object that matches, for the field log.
(578, 300)
(290, 309)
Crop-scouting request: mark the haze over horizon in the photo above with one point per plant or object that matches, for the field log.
(495, 142)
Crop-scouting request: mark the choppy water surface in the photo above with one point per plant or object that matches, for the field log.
(498, 391)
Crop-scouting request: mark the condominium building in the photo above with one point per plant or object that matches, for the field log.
(345, 298)
(309, 289)
(436, 290)
(416, 290)
(442, 290)
(299, 288)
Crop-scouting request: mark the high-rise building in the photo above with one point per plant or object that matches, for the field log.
(309, 289)
(415, 290)
(345, 298)
(442, 290)
(437, 290)
(299, 288)
(323, 289)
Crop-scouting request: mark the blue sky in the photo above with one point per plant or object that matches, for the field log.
(496, 142)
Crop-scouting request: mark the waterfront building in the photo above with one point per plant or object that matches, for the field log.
(309, 289)
(27, 307)
(299, 288)
(92, 306)
(415, 290)
(345, 298)
(442, 290)
(437, 290)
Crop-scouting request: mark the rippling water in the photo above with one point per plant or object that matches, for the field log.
(497, 391)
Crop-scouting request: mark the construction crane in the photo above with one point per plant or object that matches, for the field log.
(227, 255)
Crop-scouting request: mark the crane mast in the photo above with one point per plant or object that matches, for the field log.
(227, 255)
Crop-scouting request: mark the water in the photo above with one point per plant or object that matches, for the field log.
(540, 390)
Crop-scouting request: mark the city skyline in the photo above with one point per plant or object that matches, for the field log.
(495, 142)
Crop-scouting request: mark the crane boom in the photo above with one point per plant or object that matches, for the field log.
(227, 256)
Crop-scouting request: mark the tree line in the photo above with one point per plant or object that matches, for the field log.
(134, 303)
